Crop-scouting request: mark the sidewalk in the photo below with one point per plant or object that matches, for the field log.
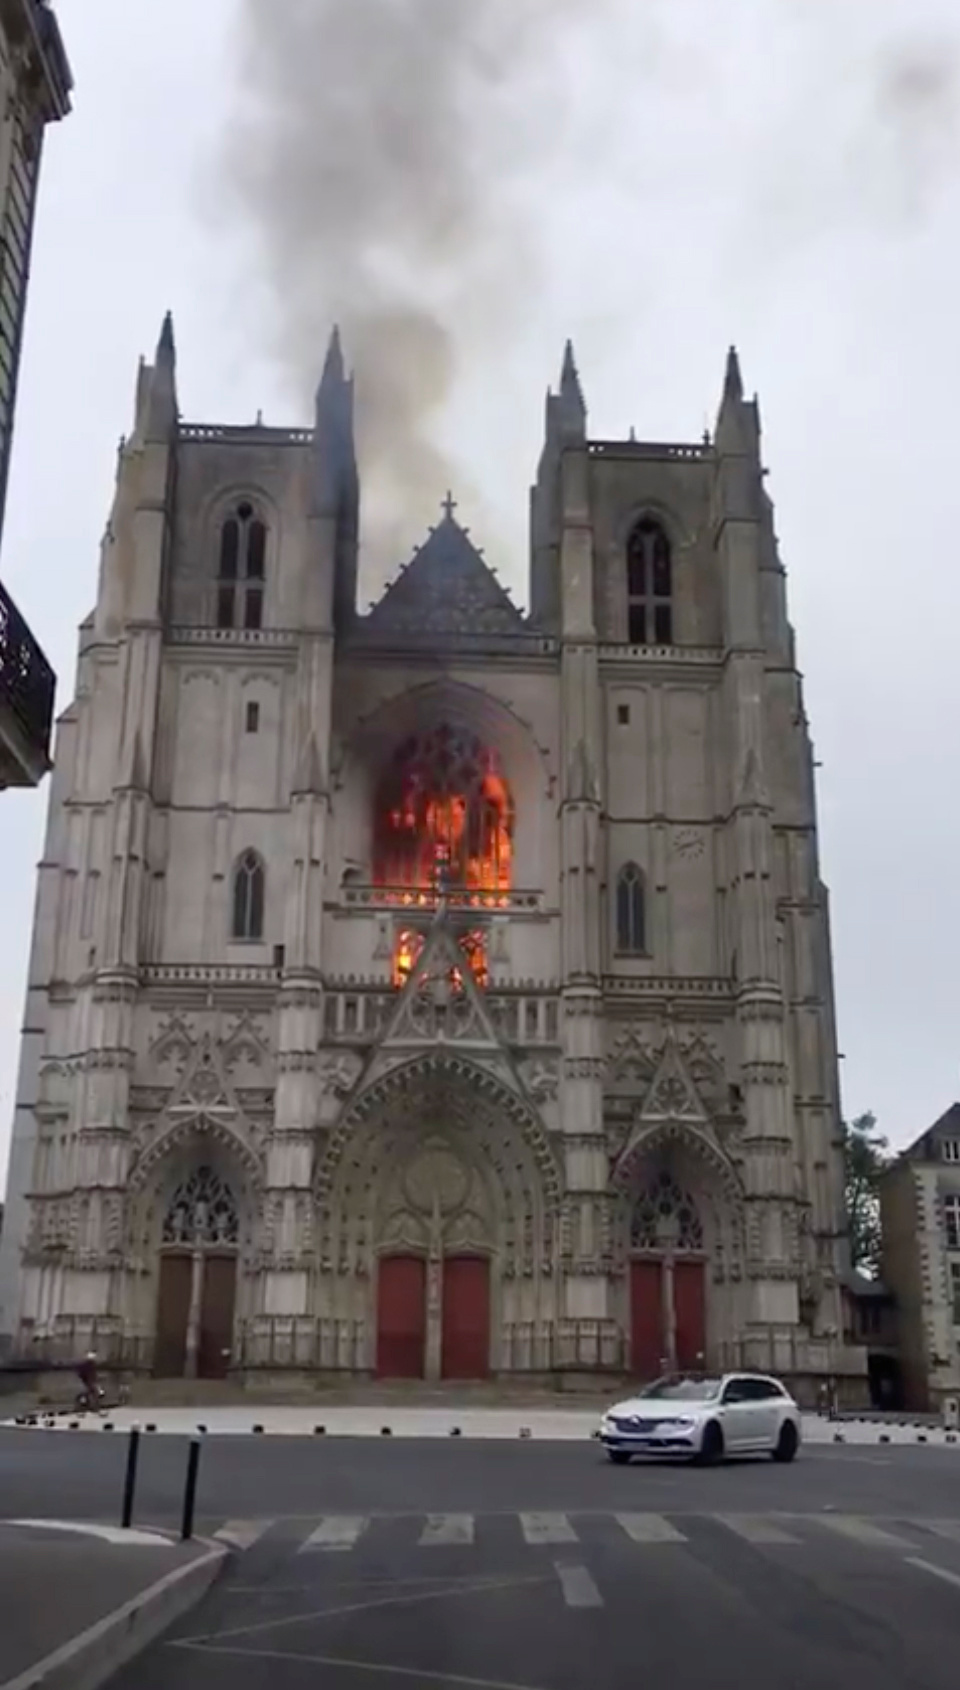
(76, 1604)
(455, 1420)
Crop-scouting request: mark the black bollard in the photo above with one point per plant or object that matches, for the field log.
(130, 1482)
(190, 1490)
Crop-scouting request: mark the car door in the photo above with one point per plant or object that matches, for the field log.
(737, 1413)
(766, 1402)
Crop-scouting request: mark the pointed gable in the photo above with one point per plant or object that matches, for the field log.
(440, 1002)
(447, 588)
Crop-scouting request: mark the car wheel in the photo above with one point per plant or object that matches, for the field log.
(619, 1457)
(711, 1445)
(787, 1443)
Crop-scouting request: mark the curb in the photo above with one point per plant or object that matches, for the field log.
(93, 1656)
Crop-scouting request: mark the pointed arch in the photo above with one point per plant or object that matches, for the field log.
(466, 1088)
(249, 888)
(699, 1141)
(649, 583)
(631, 911)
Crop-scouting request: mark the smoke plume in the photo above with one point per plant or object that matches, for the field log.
(398, 164)
(377, 145)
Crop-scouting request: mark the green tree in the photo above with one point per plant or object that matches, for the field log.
(865, 1155)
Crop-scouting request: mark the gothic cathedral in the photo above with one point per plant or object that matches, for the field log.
(442, 992)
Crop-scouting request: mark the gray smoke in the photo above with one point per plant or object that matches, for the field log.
(375, 149)
(394, 161)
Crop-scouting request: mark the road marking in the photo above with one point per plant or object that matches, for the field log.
(754, 1529)
(931, 1567)
(335, 1532)
(649, 1528)
(579, 1590)
(862, 1531)
(345, 1664)
(547, 1528)
(949, 1529)
(243, 1534)
(447, 1528)
(105, 1534)
(461, 1587)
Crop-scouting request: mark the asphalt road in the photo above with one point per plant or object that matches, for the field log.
(80, 1476)
(543, 1567)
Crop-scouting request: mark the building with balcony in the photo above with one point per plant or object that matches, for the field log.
(442, 991)
(920, 1218)
(35, 85)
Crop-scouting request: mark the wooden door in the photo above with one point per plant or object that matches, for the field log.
(216, 1316)
(173, 1315)
(647, 1345)
(401, 1317)
(465, 1352)
(689, 1303)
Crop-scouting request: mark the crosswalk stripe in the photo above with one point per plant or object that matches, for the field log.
(547, 1528)
(649, 1528)
(335, 1531)
(447, 1528)
(579, 1590)
(862, 1531)
(242, 1534)
(755, 1529)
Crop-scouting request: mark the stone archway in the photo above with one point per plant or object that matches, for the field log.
(438, 1202)
(197, 1290)
(191, 1221)
(681, 1221)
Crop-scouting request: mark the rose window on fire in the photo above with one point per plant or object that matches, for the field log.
(444, 818)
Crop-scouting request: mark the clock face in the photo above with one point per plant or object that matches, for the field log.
(687, 842)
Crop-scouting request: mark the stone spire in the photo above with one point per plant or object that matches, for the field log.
(571, 410)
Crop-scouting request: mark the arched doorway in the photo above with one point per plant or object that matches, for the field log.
(196, 1296)
(667, 1279)
(436, 1231)
(438, 1204)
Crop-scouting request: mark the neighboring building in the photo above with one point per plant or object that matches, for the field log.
(34, 91)
(920, 1218)
(441, 991)
(871, 1322)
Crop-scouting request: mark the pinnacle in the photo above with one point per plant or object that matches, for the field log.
(733, 383)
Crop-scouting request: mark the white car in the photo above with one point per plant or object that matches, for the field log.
(705, 1419)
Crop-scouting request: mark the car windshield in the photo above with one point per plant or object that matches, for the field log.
(682, 1388)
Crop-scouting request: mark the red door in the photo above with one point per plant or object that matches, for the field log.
(401, 1317)
(173, 1315)
(690, 1308)
(647, 1345)
(216, 1316)
(466, 1318)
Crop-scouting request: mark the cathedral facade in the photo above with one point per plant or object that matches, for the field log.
(442, 992)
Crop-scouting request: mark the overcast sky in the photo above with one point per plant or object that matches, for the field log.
(671, 177)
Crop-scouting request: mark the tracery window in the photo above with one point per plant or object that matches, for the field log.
(631, 911)
(665, 1215)
(410, 942)
(242, 569)
(649, 585)
(202, 1211)
(444, 816)
(249, 890)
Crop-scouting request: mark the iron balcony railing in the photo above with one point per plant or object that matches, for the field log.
(27, 682)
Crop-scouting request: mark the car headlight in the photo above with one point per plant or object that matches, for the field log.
(680, 1424)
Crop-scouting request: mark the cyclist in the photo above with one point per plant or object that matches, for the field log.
(87, 1374)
